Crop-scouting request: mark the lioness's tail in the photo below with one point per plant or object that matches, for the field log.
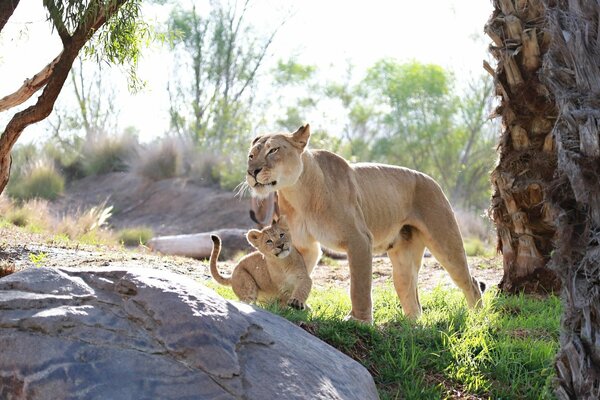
(214, 255)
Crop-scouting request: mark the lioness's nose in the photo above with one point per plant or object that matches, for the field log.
(255, 172)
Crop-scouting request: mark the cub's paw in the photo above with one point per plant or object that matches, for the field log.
(297, 304)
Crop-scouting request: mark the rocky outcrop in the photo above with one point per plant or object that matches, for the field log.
(146, 334)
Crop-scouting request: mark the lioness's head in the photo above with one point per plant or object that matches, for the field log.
(272, 241)
(275, 160)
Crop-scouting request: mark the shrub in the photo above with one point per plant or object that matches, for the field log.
(33, 214)
(87, 226)
(40, 180)
(134, 236)
(476, 248)
(108, 153)
(161, 159)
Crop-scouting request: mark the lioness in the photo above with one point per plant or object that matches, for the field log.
(360, 209)
(275, 272)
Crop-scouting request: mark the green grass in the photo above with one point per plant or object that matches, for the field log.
(134, 236)
(504, 351)
(40, 181)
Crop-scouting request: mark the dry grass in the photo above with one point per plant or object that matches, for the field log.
(35, 216)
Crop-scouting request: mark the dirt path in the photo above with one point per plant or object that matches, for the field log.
(26, 250)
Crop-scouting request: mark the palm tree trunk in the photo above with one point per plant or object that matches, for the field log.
(527, 155)
(572, 73)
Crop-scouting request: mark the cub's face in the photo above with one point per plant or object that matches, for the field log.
(275, 161)
(272, 241)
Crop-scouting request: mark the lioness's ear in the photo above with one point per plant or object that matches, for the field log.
(301, 136)
(253, 237)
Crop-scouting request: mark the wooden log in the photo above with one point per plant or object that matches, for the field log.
(199, 245)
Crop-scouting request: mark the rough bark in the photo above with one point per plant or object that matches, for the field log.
(527, 158)
(572, 73)
(62, 65)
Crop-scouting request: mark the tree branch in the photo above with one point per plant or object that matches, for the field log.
(57, 21)
(29, 87)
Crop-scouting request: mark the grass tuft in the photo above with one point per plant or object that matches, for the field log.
(134, 236)
(39, 180)
(108, 153)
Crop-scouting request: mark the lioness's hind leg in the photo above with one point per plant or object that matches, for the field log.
(406, 256)
(244, 286)
(450, 253)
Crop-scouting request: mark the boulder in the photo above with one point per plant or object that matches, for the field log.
(147, 334)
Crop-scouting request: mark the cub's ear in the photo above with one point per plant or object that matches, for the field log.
(253, 236)
(301, 136)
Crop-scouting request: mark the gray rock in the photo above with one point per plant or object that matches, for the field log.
(146, 334)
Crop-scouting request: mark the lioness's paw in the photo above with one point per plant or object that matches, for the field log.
(366, 320)
(297, 304)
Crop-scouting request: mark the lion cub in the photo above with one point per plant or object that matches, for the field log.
(275, 272)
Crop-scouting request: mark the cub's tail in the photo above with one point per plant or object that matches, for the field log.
(214, 255)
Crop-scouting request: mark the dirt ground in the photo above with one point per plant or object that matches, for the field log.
(21, 249)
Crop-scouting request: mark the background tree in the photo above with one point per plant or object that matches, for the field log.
(527, 156)
(572, 73)
(223, 54)
(115, 31)
(424, 124)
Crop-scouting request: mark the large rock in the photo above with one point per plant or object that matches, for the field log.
(146, 334)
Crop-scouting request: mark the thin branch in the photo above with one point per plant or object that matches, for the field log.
(56, 17)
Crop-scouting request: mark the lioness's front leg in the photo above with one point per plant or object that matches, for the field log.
(310, 251)
(360, 262)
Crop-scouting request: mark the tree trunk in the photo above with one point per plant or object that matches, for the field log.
(199, 245)
(572, 73)
(527, 157)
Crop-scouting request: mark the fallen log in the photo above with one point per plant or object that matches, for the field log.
(199, 245)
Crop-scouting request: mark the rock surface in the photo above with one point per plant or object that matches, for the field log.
(146, 334)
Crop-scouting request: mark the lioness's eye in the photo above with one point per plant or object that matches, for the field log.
(250, 156)
(269, 241)
(273, 150)
(281, 235)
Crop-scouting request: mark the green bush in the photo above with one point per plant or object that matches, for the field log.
(134, 236)
(162, 159)
(41, 180)
(108, 153)
(474, 247)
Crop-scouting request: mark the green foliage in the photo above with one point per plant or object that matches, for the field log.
(291, 72)
(39, 180)
(134, 236)
(38, 259)
(506, 350)
(409, 114)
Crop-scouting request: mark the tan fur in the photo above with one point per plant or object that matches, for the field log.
(360, 209)
(275, 272)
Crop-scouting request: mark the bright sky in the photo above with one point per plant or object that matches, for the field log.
(326, 33)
